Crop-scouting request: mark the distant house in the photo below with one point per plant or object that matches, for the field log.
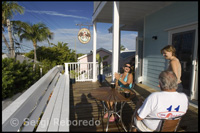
(125, 57)
(20, 58)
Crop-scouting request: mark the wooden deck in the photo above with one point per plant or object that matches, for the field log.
(84, 107)
(86, 114)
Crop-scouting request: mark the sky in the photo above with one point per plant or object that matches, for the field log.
(62, 18)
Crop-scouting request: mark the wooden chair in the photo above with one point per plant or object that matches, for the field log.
(167, 125)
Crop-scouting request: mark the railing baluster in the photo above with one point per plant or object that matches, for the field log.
(78, 71)
(86, 68)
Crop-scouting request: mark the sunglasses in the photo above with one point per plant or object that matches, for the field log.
(127, 66)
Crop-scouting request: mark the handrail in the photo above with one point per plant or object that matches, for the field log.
(13, 116)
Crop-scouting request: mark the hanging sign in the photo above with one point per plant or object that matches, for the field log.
(84, 35)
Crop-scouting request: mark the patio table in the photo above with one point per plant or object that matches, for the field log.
(108, 94)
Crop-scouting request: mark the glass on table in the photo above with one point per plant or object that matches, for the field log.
(112, 85)
(127, 94)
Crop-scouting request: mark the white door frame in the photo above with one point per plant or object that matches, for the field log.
(187, 27)
(138, 78)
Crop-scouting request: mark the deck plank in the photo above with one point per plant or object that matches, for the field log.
(55, 118)
(47, 114)
(83, 107)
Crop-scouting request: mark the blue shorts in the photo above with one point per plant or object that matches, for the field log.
(180, 88)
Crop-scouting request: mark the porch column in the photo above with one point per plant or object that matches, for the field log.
(94, 52)
(115, 44)
(119, 50)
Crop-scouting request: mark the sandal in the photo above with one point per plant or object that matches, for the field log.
(112, 120)
(106, 115)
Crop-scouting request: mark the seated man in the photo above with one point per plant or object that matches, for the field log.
(164, 104)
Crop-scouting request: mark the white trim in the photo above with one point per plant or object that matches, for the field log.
(98, 10)
(194, 67)
(181, 26)
(143, 51)
(181, 29)
(81, 57)
(139, 77)
(136, 61)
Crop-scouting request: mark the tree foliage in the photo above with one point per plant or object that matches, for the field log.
(122, 48)
(32, 32)
(8, 9)
(55, 55)
(17, 76)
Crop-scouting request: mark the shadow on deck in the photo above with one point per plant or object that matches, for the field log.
(86, 114)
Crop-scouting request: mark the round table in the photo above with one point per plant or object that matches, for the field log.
(108, 94)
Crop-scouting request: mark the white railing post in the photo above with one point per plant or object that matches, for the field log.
(66, 69)
(101, 71)
(94, 51)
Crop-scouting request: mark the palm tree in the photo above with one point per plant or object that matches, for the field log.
(35, 33)
(122, 47)
(8, 9)
(62, 45)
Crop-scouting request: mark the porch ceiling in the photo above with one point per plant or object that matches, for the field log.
(131, 13)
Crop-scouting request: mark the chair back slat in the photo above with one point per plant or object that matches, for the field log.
(170, 125)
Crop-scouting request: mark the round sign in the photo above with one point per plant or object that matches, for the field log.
(84, 35)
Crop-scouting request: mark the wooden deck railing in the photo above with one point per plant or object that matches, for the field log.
(23, 113)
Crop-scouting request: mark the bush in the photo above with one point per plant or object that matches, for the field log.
(17, 76)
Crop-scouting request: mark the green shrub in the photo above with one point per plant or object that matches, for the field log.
(17, 76)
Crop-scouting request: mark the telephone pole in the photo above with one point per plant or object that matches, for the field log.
(75, 50)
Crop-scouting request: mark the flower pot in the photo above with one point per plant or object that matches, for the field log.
(101, 78)
(72, 80)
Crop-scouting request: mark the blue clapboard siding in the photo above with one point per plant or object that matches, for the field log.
(153, 66)
(176, 14)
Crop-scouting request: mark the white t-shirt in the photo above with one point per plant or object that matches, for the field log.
(162, 105)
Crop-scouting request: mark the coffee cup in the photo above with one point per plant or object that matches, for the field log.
(127, 94)
(112, 85)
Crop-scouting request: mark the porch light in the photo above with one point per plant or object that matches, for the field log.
(154, 37)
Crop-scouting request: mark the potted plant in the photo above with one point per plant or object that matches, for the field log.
(73, 76)
(101, 76)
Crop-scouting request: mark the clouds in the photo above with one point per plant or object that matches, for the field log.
(70, 36)
(104, 40)
(58, 14)
(129, 40)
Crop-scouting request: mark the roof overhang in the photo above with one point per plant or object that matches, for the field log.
(132, 14)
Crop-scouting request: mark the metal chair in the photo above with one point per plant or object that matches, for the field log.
(166, 125)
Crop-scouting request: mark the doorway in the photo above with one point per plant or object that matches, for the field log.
(185, 39)
(184, 44)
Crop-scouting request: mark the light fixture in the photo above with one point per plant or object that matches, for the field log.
(154, 37)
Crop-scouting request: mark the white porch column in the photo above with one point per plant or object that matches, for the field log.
(119, 49)
(94, 52)
(115, 53)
